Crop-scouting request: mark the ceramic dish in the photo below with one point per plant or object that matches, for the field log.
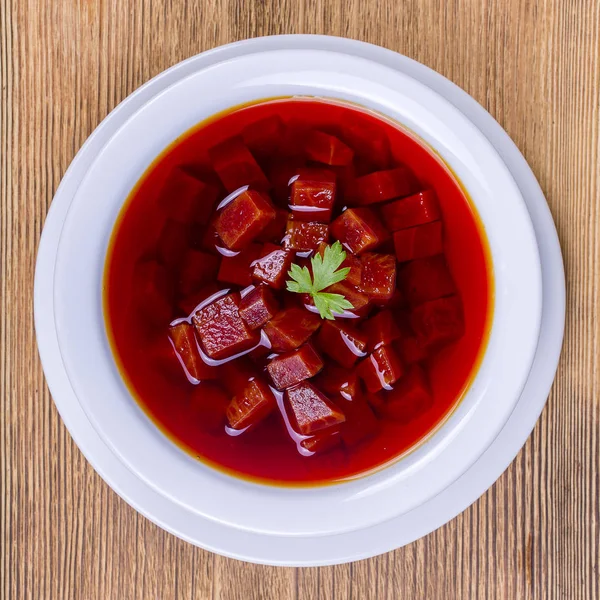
(404, 475)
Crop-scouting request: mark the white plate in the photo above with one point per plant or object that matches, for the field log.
(328, 549)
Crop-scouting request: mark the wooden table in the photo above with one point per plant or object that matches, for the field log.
(534, 64)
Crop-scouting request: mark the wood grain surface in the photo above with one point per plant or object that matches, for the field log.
(534, 64)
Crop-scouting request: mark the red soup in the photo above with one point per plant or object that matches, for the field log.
(298, 291)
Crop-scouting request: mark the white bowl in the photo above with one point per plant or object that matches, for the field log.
(317, 511)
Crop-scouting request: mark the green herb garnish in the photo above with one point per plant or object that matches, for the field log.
(326, 272)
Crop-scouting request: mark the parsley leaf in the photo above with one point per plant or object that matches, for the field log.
(325, 272)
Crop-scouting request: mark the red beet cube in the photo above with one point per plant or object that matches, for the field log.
(361, 423)
(411, 350)
(378, 276)
(381, 329)
(313, 195)
(263, 136)
(293, 367)
(186, 198)
(273, 266)
(381, 369)
(208, 403)
(173, 242)
(415, 210)
(322, 442)
(281, 175)
(304, 236)
(311, 410)
(197, 269)
(342, 342)
(381, 186)
(411, 397)
(290, 328)
(418, 242)
(251, 406)
(275, 230)
(358, 300)
(327, 149)
(438, 322)
(189, 303)
(222, 332)
(244, 218)
(370, 142)
(336, 380)
(153, 292)
(358, 229)
(426, 279)
(236, 166)
(184, 342)
(236, 374)
(258, 307)
(352, 262)
(210, 240)
(237, 269)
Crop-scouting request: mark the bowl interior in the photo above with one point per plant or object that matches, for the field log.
(122, 424)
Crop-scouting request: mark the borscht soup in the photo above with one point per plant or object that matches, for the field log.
(298, 291)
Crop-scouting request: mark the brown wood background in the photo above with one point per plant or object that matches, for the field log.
(534, 64)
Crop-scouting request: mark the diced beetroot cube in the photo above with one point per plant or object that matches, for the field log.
(311, 410)
(304, 236)
(415, 210)
(263, 136)
(358, 229)
(335, 380)
(358, 300)
(236, 374)
(258, 307)
(418, 242)
(210, 240)
(273, 266)
(381, 369)
(342, 342)
(237, 269)
(293, 367)
(236, 166)
(370, 142)
(313, 195)
(251, 406)
(275, 230)
(352, 262)
(208, 403)
(281, 175)
(223, 333)
(411, 397)
(327, 149)
(184, 342)
(438, 322)
(322, 442)
(244, 218)
(378, 276)
(189, 303)
(197, 269)
(381, 186)
(186, 198)
(153, 291)
(426, 279)
(411, 350)
(361, 423)
(381, 329)
(173, 243)
(290, 328)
